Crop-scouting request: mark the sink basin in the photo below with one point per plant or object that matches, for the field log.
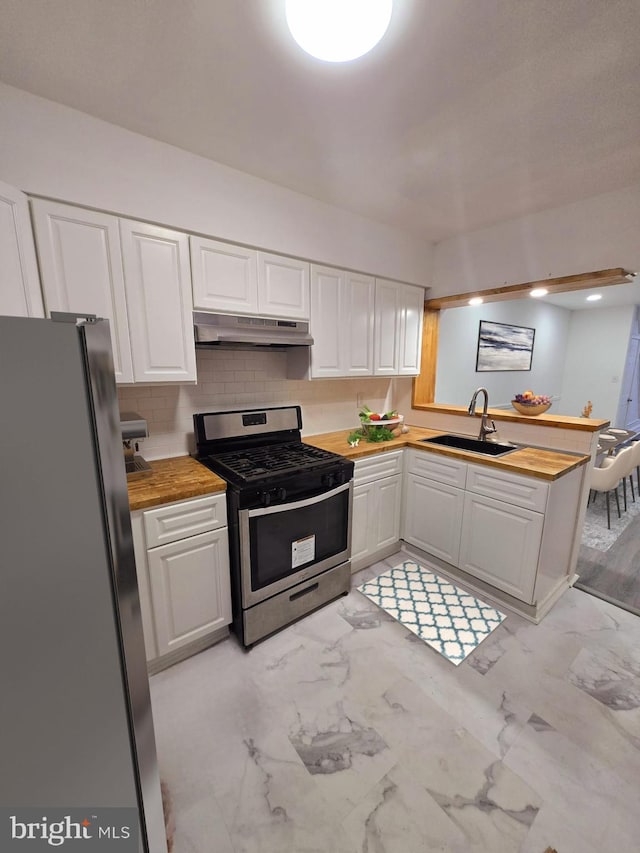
(463, 442)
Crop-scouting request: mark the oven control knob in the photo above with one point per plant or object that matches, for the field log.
(327, 480)
(339, 478)
(281, 494)
(265, 498)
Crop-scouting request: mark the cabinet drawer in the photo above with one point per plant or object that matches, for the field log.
(440, 468)
(514, 489)
(377, 467)
(177, 521)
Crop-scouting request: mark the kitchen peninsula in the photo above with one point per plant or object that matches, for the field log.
(507, 527)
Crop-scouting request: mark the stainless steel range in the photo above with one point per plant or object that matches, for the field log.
(289, 509)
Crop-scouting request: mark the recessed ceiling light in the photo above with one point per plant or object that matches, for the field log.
(476, 300)
(338, 30)
(538, 291)
(594, 297)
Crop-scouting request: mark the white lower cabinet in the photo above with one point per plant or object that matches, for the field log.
(488, 523)
(500, 544)
(190, 592)
(375, 519)
(184, 583)
(433, 517)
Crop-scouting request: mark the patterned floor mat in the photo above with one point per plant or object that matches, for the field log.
(448, 619)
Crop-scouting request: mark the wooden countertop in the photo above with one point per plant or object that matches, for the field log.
(172, 480)
(548, 420)
(531, 461)
(183, 477)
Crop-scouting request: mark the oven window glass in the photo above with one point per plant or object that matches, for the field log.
(318, 531)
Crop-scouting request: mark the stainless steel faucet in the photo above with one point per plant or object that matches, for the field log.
(485, 429)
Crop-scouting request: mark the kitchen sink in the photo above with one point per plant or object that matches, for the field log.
(464, 442)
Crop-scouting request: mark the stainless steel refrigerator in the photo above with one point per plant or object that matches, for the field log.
(76, 729)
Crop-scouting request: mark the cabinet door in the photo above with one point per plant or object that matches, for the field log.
(190, 589)
(387, 328)
(356, 325)
(81, 268)
(361, 521)
(158, 276)
(412, 311)
(500, 544)
(433, 517)
(327, 294)
(225, 276)
(283, 286)
(19, 283)
(144, 591)
(386, 527)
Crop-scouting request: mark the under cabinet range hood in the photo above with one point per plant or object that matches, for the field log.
(238, 332)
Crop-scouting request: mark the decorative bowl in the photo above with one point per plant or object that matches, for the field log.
(530, 408)
(392, 424)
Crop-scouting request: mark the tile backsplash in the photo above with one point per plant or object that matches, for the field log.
(230, 379)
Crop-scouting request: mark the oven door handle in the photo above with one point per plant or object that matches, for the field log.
(285, 507)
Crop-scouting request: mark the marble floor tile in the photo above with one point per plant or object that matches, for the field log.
(344, 733)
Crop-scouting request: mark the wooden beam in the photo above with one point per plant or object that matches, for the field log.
(564, 284)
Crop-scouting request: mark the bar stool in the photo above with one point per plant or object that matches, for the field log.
(608, 442)
(607, 479)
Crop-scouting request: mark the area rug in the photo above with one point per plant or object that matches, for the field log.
(445, 617)
(595, 532)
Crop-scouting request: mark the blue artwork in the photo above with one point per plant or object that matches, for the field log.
(504, 347)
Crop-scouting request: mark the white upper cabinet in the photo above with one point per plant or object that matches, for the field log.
(358, 308)
(19, 283)
(81, 268)
(387, 328)
(225, 276)
(327, 293)
(283, 286)
(398, 328)
(411, 320)
(135, 275)
(158, 278)
(342, 308)
(235, 280)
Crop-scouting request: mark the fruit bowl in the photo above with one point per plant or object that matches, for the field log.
(530, 408)
(392, 424)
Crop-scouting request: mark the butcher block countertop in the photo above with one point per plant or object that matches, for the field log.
(172, 480)
(183, 477)
(530, 461)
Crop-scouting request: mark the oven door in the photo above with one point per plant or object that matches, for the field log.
(285, 544)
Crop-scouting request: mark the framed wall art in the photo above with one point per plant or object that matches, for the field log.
(502, 346)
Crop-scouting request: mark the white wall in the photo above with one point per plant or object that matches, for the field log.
(51, 150)
(601, 232)
(456, 376)
(595, 360)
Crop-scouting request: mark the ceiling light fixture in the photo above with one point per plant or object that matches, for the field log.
(338, 30)
(594, 297)
(538, 291)
(476, 300)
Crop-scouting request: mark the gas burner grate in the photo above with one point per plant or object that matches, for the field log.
(275, 459)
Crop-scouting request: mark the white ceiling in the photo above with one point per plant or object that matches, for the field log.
(468, 113)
